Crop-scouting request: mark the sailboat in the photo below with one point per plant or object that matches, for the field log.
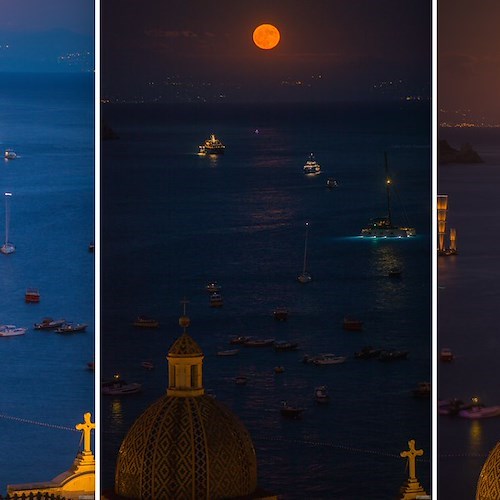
(7, 247)
(304, 276)
(383, 227)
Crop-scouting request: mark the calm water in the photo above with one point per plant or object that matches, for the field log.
(468, 296)
(172, 221)
(48, 121)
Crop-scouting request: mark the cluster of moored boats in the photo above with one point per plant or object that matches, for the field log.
(60, 326)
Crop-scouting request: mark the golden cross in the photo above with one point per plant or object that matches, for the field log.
(86, 428)
(412, 454)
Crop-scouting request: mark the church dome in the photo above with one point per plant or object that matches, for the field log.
(186, 448)
(488, 486)
(187, 445)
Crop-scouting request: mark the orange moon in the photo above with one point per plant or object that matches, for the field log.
(266, 36)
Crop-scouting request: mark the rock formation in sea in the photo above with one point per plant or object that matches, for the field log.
(466, 154)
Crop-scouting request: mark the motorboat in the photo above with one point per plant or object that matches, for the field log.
(72, 328)
(10, 154)
(228, 352)
(331, 183)
(321, 394)
(383, 227)
(423, 390)
(211, 146)
(259, 342)
(328, 359)
(352, 324)
(290, 411)
(478, 410)
(8, 247)
(446, 354)
(304, 276)
(49, 324)
(216, 300)
(119, 387)
(11, 331)
(212, 287)
(91, 247)
(392, 355)
(368, 352)
(280, 314)
(145, 322)
(32, 295)
(240, 339)
(285, 345)
(311, 167)
(451, 406)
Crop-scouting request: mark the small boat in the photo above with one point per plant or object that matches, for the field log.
(240, 380)
(147, 364)
(395, 272)
(213, 286)
(446, 354)
(451, 406)
(91, 247)
(212, 146)
(258, 342)
(10, 154)
(321, 394)
(329, 359)
(145, 322)
(49, 324)
(285, 345)
(367, 352)
(11, 331)
(280, 314)
(479, 410)
(331, 183)
(240, 339)
(8, 247)
(228, 352)
(118, 387)
(311, 167)
(304, 276)
(383, 227)
(216, 300)
(423, 390)
(72, 328)
(279, 369)
(32, 295)
(352, 324)
(290, 411)
(392, 355)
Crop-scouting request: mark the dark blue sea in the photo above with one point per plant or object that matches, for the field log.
(468, 297)
(45, 386)
(173, 221)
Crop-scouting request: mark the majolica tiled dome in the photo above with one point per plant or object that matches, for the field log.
(186, 445)
(488, 486)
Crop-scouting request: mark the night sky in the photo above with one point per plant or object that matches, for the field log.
(329, 49)
(469, 56)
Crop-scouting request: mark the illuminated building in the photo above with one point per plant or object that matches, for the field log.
(76, 483)
(187, 445)
(488, 485)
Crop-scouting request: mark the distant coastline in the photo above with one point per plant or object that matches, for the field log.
(448, 154)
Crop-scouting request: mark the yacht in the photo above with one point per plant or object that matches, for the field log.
(311, 166)
(212, 146)
(10, 154)
(11, 331)
(383, 227)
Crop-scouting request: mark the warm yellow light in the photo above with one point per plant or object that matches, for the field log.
(266, 36)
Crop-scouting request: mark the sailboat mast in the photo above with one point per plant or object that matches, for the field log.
(305, 249)
(7, 217)
(388, 188)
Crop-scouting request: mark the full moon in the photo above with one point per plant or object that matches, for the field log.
(266, 36)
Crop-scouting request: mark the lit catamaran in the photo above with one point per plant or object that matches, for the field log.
(7, 247)
(383, 227)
